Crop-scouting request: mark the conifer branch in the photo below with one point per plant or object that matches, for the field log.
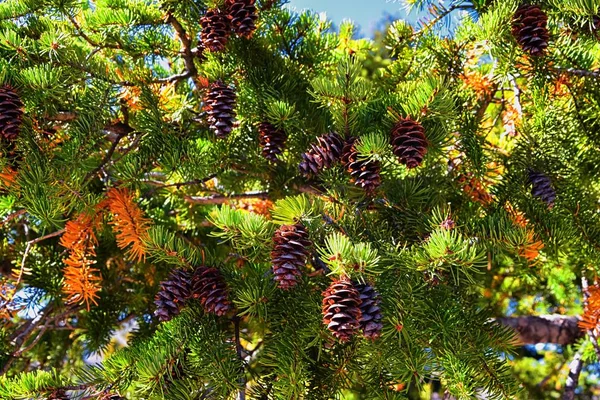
(578, 72)
(120, 130)
(188, 55)
(12, 216)
(224, 198)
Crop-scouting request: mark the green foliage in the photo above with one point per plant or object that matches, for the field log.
(114, 97)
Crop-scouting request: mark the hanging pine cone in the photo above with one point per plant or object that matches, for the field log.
(210, 287)
(290, 250)
(272, 141)
(243, 17)
(409, 143)
(322, 154)
(341, 309)
(216, 27)
(11, 113)
(364, 173)
(220, 103)
(541, 186)
(529, 28)
(370, 320)
(173, 294)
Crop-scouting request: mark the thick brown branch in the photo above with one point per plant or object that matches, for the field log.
(188, 54)
(558, 329)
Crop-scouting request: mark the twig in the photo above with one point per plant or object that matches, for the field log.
(223, 198)
(573, 378)
(121, 130)
(578, 72)
(240, 350)
(180, 184)
(23, 336)
(12, 216)
(28, 249)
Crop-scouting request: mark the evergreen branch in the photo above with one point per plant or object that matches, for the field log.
(85, 37)
(224, 198)
(28, 249)
(121, 130)
(188, 55)
(63, 116)
(21, 337)
(573, 378)
(578, 72)
(12, 216)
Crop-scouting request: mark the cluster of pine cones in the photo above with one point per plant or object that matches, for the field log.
(217, 24)
(205, 284)
(347, 307)
(408, 142)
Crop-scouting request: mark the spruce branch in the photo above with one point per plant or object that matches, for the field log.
(119, 130)
(12, 216)
(578, 72)
(188, 55)
(224, 198)
(28, 249)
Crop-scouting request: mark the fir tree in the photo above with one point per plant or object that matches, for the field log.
(274, 209)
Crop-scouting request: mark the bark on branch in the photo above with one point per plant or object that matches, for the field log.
(557, 329)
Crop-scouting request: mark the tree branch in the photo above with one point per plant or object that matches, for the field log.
(187, 53)
(120, 130)
(557, 329)
(578, 72)
(224, 198)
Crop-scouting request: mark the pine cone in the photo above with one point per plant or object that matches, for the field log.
(243, 17)
(173, 294)
(11, 113)
(322, 154)
(409, 142)
(370, 320)
(272, 141)
(216, 27)
(541, 186)
(365, 173)
(341, 309)
(290, 250)
(220, 103)
(210, 287)
(529, 28)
